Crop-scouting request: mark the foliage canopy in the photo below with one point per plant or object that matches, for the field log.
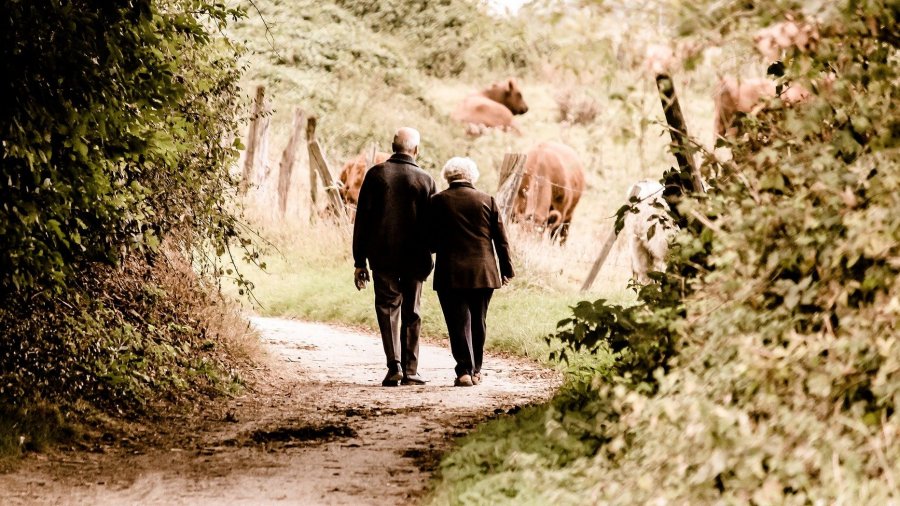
(117, 120)
(113, 120)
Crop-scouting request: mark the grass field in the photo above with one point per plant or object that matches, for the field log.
(309, 276)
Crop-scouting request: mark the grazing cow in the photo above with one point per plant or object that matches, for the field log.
(748, 96)
(773, 40)
(668, 58)
(552, 183)
(659, 59)
(492, 107)
(352, 175)
(648, 251)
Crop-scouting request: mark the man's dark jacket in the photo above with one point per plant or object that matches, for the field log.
(465, 228)
(390, 219)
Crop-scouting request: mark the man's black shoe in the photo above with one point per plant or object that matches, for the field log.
(392, 379)
(413, 379)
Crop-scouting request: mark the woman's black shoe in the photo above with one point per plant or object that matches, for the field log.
(413, 379)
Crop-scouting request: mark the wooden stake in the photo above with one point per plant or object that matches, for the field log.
(261, 165)
(313, 179)
(514, 168)
(319, 166)
(252, 139)
(681, 146)
(607, 247)
(286, 168)
(331, 190)
(370, 156)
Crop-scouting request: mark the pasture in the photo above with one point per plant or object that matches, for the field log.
(588, 90)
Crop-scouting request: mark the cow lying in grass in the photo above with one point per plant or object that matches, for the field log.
(492, 107)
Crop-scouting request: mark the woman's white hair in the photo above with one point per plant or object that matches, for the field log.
(458, 168)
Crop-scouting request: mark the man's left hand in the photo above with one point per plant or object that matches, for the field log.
(360, 277)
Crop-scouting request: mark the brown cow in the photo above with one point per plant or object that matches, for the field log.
(774, 40)
(748, 96)
(660, 59)
(492, 107)
(551, 187)
(352, 175)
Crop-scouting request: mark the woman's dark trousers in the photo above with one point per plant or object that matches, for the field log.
(465, 310)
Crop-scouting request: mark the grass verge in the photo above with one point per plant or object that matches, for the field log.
(311, 278)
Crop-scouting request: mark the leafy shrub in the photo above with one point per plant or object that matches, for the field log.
(451, 35)
(783, 372)
(113, 124)
(128, 339)
(111, 133)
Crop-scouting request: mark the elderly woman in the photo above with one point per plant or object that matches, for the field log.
(465, 230)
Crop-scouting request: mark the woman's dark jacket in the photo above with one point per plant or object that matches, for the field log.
(465, 229)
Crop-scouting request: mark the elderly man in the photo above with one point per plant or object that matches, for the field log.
(389, 232)
(465, 230)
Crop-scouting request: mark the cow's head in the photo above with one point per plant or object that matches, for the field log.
(508, 94)
(533, 203)
(773, 40)
(351, 179)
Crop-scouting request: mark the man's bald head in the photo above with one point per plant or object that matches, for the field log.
(406, 140)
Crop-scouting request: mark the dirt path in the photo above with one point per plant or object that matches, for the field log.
(317, 429)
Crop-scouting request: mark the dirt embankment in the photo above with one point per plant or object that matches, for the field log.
(317, 428)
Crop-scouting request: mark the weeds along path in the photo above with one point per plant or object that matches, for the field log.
(317, 428)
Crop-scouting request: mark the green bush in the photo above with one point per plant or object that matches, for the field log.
(449, 36)
(116, 125)
(112, 134)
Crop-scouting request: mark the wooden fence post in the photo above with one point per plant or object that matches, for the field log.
(370, 156)
(684, 156)
(513, 168)
(313, 178)
(681, 147)
(318, 165)
(252, 140)
(262, 169)
(286, 168)
(606, 248)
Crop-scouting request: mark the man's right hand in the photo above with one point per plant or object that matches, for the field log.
(360, 277)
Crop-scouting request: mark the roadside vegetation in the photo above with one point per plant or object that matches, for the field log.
(114, 182)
